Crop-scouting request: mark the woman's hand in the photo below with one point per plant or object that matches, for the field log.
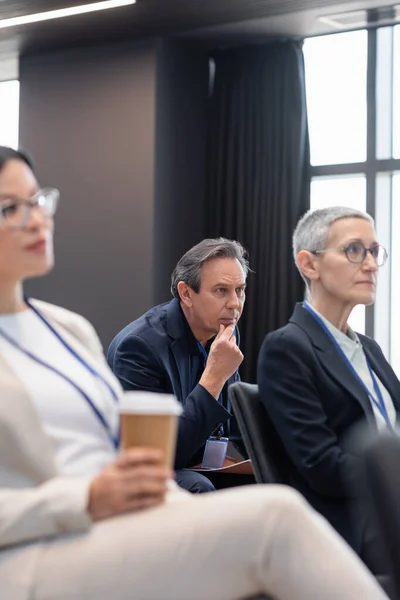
(136, 480)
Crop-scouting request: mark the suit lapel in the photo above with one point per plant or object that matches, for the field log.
(32, 455)
(179, 346)
(331, 360)
(385, 374)
(178, 331)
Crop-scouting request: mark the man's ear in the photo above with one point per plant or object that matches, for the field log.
(185, 294)
(308, 264)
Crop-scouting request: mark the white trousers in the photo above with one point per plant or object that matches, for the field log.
(260, 539)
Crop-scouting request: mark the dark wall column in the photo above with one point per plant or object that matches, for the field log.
(182, 89)
(88, 117)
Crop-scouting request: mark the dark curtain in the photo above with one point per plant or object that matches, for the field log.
(259, 176)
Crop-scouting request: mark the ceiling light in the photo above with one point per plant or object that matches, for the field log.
(63, 12)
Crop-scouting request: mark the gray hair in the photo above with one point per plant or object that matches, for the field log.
(312, 231)
(189, 266)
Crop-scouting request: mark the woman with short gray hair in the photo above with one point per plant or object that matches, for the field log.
(318, 378)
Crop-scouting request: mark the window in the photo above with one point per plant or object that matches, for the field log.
(347, 191)
(396, 93)
(9, 113)
(395, 276)
(355, 151)
(334, 191)
(336, 81)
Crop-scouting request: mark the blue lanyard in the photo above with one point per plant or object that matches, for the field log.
(378, 401)
(114, 439)
(205, 356)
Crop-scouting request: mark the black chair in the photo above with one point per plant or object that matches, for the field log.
(260, 438)
(381, 461)
(270, 466)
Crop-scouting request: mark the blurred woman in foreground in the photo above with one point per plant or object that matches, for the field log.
(80, 519)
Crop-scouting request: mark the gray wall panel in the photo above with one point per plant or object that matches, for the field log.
(88, 116)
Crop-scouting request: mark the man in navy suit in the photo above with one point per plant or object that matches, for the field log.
(189, 347)
(319, 380)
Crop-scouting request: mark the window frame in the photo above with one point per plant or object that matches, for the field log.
(373, 166)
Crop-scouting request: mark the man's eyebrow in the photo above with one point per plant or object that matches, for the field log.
(241, 285)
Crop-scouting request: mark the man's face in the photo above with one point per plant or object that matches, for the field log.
(221, 296)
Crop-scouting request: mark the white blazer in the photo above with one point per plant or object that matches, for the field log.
(35, 501)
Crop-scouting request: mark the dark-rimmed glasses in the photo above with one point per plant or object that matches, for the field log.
(356, 253)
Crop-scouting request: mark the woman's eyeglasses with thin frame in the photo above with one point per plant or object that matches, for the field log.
(15, 213)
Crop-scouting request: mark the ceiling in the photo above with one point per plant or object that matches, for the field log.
(215, 22)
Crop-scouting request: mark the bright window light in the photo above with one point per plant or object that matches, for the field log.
(64, 12)
(395, 291)
(347, 191)
(336, 81)
(396, 93)
(9, 113)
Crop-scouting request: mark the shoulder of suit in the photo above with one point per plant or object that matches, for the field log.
(289, 340)
(150, 327)
(290, 333)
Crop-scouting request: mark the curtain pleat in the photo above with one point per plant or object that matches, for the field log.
(259, 176)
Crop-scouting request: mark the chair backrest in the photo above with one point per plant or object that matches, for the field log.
(382, 478)
(261, 440)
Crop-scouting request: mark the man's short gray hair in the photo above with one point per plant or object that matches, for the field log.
(312, 231)
(189, 266)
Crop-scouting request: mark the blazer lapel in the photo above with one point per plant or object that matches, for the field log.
(32, 459)
(332, 361)
(386, 375)
(178, 331)
(179, 346)
(32, 456)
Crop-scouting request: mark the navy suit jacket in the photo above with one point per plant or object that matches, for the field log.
(153, 353)
(314, 402)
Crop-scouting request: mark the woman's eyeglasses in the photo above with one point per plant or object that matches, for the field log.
(356, 253)
(15, 213)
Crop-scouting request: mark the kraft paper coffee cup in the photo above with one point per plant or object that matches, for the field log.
(151, 420)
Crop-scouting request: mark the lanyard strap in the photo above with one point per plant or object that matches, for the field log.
(114, 439)
(91, 370)
(378, 401)
(220, 429)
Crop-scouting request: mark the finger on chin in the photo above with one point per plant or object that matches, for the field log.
(221, 330)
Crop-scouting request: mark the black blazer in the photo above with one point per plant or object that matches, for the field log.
(314, 401)
(153, 353)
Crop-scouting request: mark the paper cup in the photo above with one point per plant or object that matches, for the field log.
(151, 420)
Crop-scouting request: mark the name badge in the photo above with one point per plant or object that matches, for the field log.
(215, 452)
